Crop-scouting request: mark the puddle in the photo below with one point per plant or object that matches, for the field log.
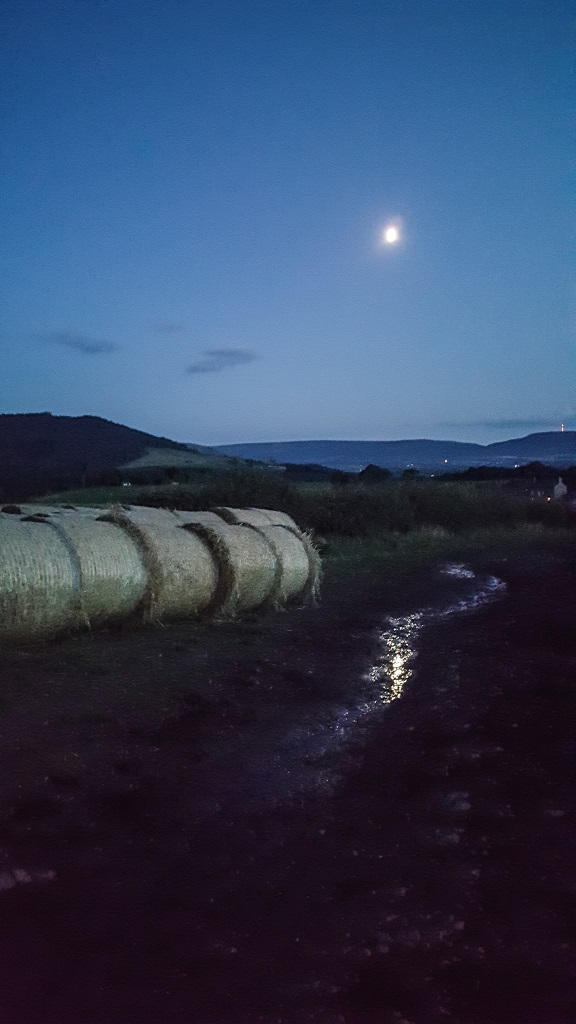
(314, 754)
(399, 639)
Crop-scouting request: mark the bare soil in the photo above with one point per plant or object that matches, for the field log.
(213, 824)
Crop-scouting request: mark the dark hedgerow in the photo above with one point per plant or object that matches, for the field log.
(357, 510)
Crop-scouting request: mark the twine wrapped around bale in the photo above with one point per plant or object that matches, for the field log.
(261, 518)
(39, 580)
(113, 579)
(182, 571)
(248, 568)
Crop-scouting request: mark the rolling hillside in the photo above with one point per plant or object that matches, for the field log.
(40, 452)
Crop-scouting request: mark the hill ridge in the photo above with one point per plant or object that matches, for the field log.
(556, 447)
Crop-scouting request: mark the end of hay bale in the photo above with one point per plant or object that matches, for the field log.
(38, 582)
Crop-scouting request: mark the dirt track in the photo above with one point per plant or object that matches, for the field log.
(232, 824)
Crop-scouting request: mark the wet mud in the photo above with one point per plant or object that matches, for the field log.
(362, 813)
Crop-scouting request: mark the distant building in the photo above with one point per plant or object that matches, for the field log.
(560, 490)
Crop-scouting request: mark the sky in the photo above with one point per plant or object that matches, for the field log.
(193, 201)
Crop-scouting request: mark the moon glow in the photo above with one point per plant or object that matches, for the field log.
(391, 234)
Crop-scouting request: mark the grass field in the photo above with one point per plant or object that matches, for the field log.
(354, 510)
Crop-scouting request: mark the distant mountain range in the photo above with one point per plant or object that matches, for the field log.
(38, 447)
(555, 448)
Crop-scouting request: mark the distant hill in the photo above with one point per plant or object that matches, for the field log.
(39, 451)
(555, 448)
(62, 442)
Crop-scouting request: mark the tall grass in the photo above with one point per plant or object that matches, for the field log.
(359, 511)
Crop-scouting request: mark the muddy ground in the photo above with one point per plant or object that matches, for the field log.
(361, 813)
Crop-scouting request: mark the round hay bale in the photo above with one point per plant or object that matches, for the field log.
(293, 562)
(38, 580)
(113, 579)
(182, 571)
(247, 563)
(256, 517)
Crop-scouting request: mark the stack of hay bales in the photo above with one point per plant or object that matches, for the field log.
(298, 559)
(62, 568)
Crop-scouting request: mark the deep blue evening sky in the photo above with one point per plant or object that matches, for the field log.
(193, 196)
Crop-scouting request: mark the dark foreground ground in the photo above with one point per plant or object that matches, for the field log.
(232, 824)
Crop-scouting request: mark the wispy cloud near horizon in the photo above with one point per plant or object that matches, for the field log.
(84, 343)
(528, 424)
(217, 359)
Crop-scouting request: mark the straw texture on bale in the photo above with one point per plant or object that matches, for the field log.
(255, 517)
(37, 511)
(263, 517)
(293, 564)
(38, 580)
(247, 565)
(203, 518)
(113, 579)
(146, 515)
(182, 571)
(81, 510)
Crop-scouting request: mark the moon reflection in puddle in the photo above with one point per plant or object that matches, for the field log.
(399, 641)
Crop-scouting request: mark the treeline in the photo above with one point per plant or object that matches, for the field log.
(531, 472)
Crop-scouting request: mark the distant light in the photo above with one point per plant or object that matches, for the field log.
(391, 234)
(445, 460)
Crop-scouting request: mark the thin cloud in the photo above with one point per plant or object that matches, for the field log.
(217, 359)
(532, 424)
(82, 343)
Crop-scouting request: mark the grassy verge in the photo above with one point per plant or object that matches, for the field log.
(421, 547)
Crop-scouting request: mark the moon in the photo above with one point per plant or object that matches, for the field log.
(391, 234)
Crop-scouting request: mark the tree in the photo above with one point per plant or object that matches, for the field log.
(372, 474)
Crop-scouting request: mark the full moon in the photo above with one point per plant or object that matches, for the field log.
(391, 234)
